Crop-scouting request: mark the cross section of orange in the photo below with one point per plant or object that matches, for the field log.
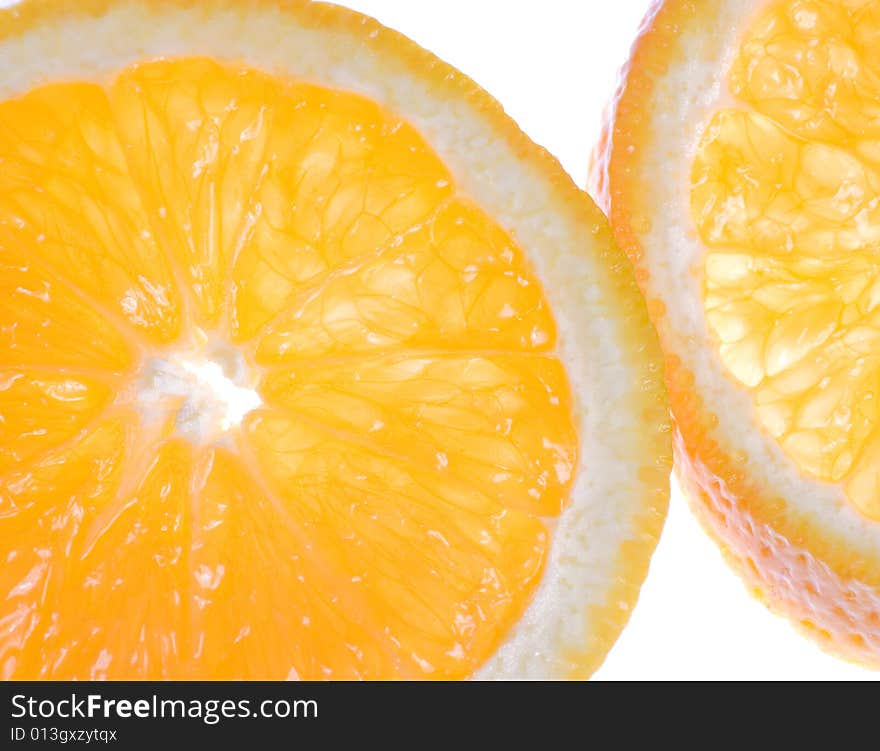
(306, 350)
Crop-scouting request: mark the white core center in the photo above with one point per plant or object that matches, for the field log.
(207, 392)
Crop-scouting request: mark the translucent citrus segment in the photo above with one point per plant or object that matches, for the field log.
(42, 409)
(69, 203)
(812, 67)
(368, 179)
(48, 321)
(467, 416)
(454, 280)
(292, 625)
(133, 560)
(195, 137)
(52, 509)
(415, 556)
(192, 234)
(786, 197)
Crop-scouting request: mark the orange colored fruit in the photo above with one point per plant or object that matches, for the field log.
(314, 365)
(755, 124)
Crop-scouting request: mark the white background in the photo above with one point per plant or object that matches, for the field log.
(553, 64)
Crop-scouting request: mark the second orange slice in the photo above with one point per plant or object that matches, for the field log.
(756, 125)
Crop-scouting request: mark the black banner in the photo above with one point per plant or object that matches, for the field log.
(200, 715)
(125, 715)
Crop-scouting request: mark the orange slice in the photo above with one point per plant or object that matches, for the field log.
(756, 126)
(314, 365)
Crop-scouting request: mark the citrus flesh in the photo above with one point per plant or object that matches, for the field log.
(755, 123)
(309, 349)
(415, 423)
(786, 196)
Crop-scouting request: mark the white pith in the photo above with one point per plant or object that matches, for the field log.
(691, 88)
(608, 497)
(206, 390)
